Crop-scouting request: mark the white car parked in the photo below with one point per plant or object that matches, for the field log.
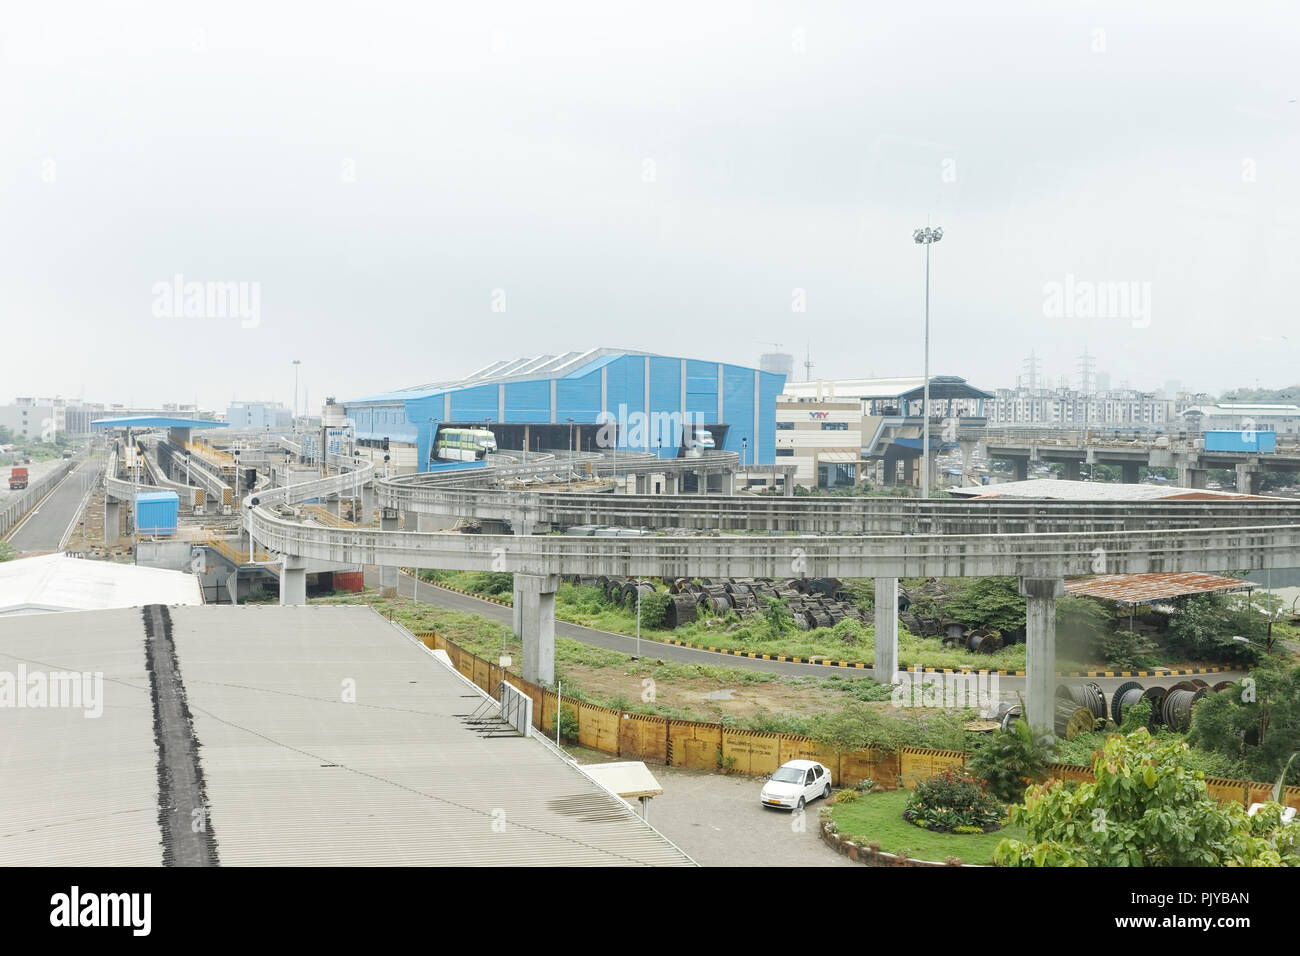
(796, 783)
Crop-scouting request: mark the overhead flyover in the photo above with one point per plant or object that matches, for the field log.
(179, 429)
(180, 433)
(1039, 542)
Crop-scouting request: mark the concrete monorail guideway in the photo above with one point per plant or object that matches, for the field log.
(1039, 542)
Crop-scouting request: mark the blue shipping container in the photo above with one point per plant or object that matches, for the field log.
(1253, 442)
(156, 512)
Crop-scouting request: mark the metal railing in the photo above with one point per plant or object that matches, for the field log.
(17, 506)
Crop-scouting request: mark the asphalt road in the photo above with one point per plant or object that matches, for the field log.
(45, 526)
(717, 820)
(1007, 688)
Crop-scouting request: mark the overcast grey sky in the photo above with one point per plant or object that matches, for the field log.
(657, 176)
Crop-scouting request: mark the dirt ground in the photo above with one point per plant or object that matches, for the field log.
(693, 694)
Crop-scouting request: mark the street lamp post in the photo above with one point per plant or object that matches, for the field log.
(926, 237)
(570, 478)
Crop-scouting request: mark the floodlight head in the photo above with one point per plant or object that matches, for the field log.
(918, 235)
(937, 233)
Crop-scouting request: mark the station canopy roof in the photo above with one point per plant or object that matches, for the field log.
(155, 421)
(907, 388)
(1159, 586)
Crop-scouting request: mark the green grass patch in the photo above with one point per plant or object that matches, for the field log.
(878, 817)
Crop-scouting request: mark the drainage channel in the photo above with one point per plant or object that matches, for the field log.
(186, 830)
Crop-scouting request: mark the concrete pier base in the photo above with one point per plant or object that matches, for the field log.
(537, 622)
(1040, 650)
(293, 580)
(886, 656)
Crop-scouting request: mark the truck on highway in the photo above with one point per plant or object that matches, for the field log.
(17, 478)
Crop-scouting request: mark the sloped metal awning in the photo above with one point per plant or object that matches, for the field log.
(1160, 586)
(630, 779)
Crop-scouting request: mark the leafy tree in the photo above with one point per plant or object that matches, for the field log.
(1081, 625)
(1144, 808)
(1011, 760)
(989, 602)
(1204, 626)
(1256, 720)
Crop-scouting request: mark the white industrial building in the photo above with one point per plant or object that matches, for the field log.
(1283, 419)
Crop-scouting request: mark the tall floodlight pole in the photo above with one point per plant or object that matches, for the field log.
(296, 363)
(926, 237)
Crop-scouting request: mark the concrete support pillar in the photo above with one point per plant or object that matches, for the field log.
(909, 471)
(1130, 472)
(1248, 478)
(388, 575)
(1040, 649)
(787, 484)
(334, 504)
(293, 580)
(1021, 466)
(537, 621)
(367, 503)
(112, 522)
(886, 658)
(517, 609)
(232, 586)
(410, 521)
(701, 483)
(728, 483)
(642, 484)
(1072, 470)
(1191, 477)
(672, 482)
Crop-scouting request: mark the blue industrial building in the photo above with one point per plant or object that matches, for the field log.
(586, 400)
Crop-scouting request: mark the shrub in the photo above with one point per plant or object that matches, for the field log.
(1011, 760)
(777, 616)
(953, 799)
(1144, 808)
(569, 723)
(847, 795)
(654, 609)
(850, 631)
(1126, 650)
(1139, 715)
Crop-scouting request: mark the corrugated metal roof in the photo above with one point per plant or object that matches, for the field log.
(1138, 588)
(296, 773)
(79, 791)
(536, 368)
